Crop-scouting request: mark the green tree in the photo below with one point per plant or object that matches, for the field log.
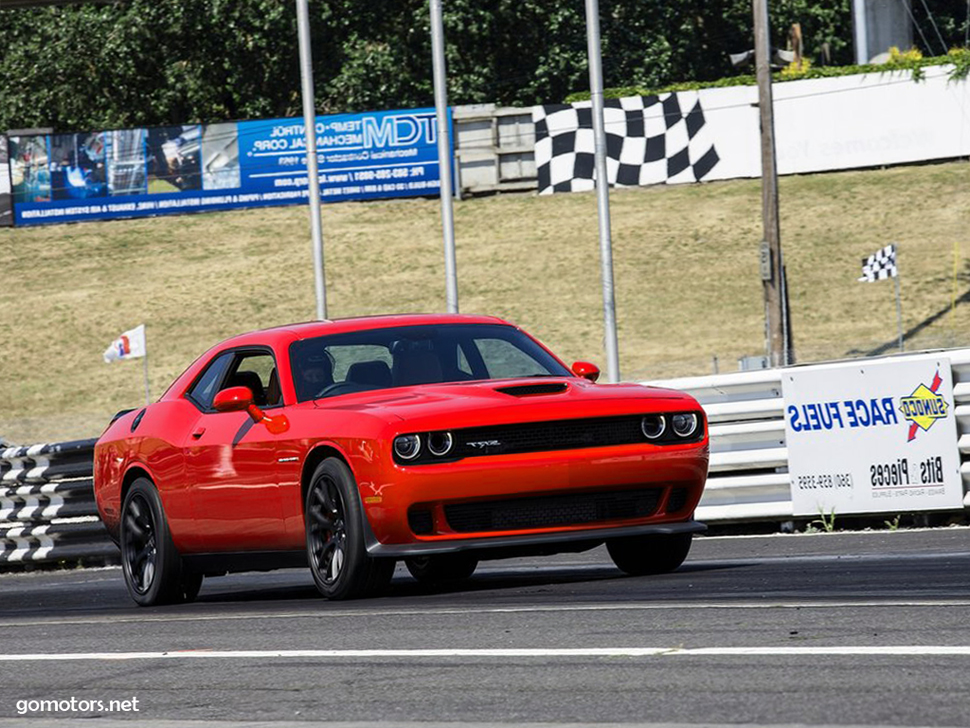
(147, 62)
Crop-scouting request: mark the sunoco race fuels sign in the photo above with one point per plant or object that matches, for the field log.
(872, 437)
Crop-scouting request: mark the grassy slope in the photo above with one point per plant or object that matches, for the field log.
(685, 258)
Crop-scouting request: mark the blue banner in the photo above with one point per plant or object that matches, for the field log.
(196, 168)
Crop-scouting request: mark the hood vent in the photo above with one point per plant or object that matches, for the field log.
(528, 390)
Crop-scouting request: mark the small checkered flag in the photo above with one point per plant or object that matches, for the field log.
(880, 265)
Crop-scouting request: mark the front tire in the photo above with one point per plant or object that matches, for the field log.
(644, 555)
(151, 565)
(334, 519)
(441, 568)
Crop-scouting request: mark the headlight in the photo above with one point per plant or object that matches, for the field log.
(440, 443)
(407, 447)
(653, 426)
(684, 425)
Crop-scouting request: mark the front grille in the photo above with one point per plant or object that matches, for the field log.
(544, 436)
(553, 510)
(549, 436)
(525, 390)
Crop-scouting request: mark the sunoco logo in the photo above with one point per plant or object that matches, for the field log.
(923, 407)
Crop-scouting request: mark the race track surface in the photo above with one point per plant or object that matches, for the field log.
(831, 629)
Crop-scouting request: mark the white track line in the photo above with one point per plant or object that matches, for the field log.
(894, 650)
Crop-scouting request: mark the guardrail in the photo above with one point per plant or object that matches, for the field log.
(48, 514)
(748, 477)
(47, 509)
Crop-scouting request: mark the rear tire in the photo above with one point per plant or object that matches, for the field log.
(336, 553)
(151, 565)
(643, 555)
(441, 568)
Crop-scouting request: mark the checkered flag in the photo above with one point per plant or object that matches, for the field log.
(649, 140)
(880, 265)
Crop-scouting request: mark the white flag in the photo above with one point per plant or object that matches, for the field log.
(130, 345)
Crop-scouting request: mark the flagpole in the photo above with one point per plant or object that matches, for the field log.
(953, 290)
(148, 396)
(899, 308)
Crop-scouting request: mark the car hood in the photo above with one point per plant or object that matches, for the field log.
(468, 404)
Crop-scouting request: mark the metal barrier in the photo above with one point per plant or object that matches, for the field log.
(494, 148)
(48, 514)
(748, 478)
(47, 509)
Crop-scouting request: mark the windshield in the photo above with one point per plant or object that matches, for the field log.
(399, 357)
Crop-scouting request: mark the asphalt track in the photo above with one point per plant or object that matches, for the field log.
(835, 629)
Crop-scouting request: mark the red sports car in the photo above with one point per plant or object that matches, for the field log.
(350, 445)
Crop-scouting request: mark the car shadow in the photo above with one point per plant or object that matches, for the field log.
(489, 578)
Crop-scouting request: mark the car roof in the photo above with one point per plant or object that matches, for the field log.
(312, 329)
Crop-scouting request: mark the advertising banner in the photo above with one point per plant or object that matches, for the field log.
(193, 168)
(6, 202)
(872, 437)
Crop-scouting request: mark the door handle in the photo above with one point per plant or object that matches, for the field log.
(198, 433)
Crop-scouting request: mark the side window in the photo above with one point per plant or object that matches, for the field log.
(504, 360)
(206, 386)
(257, 371)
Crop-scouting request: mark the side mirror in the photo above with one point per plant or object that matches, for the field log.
(240, 399)
(586, 370)
(233, 399)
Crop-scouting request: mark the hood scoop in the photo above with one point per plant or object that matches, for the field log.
(530, 390)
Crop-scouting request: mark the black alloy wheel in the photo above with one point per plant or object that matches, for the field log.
(139, 544)
(150, 562)
(336, 552)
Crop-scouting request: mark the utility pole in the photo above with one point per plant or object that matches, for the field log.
(444, 152)
(312, 168)
(602, 188)
(772, 265)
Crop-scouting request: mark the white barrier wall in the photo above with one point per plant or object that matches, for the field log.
(749, 477)
(821, 125)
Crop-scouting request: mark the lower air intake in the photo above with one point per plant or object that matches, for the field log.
(518, 514)
(677, 500)
(420, 521)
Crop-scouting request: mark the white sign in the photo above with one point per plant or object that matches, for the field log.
(821, 124)
(872, 437)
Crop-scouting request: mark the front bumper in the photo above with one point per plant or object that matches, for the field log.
(400, 551)
(580, 495)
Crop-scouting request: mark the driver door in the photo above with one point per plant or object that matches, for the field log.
(231, 460)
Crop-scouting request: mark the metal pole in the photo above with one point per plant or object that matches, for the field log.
(313, 173)
(602, 188)
(444, 152)
(777, 345)
(861, 22)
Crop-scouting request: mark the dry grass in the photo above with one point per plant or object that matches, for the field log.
(685, 258)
